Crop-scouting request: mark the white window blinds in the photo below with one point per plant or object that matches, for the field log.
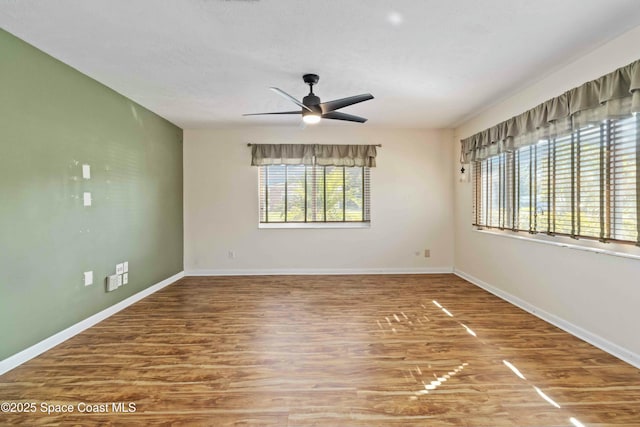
(314, 183)
(584, 184)
(314, 194)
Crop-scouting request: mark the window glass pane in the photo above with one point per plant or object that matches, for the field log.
(276, 193)
(524, 193)
(334, 193)
(315, 193)
(588, 143)
(623, 179)
(543, 190)
(563, 185)
(482, 193)
(262, 189)
(354, 206)
(295, 193)
(494, 191)
(477, 199)
(507, 193)
(366, 176)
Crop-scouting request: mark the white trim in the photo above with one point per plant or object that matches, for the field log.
(593, 339)
(298, 225)
(581, 245)
(313, 271)
(48, 343)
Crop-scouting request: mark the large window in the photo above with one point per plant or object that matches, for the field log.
(584, 184)
(313, 194)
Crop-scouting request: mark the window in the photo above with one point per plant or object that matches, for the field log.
(314, 194)
(583, 184)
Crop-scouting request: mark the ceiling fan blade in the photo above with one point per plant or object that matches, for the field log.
(264, 114)
(343, 102)
(289, 97)
(342, 116)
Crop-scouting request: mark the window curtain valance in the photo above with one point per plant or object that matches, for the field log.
(313, 154)
(616, 94)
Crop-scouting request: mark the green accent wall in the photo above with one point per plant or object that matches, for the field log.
(54, 119)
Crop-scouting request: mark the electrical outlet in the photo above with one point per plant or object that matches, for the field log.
(119, 268)
(88, 278)
(126, 267)
(119, 280)
(112, 283)
(427, 253)
(86, 199)
(125, 278)
(231, 254)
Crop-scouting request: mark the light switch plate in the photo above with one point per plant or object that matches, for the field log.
(119, 268)
(86, 171)
(126, 266)
(88, 278)
(86, 199)
(125, 278)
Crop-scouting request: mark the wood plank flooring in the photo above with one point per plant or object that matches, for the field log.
(387, 350)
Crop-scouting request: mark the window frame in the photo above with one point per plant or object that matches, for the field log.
(326, 223)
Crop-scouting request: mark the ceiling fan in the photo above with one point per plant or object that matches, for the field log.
(313, 110)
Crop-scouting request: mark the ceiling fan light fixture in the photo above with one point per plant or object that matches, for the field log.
(313, 110)
(311, 118)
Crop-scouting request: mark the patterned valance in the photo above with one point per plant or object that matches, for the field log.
(313, 154)
(616, 94)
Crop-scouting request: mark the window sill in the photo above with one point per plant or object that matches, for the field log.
(613, 249)
(315, 225)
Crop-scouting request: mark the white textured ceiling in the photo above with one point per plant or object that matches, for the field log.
(429, 63)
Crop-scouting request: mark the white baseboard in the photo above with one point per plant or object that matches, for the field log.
(319, 271)
(593, 339)
(48, 343)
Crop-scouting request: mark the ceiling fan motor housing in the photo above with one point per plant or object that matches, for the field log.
(312, 102)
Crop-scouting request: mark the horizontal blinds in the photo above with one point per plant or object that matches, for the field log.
(524, 183)
(477, 193)
(506, 198)
(262, 194)
(623, 188)
(486, 194)
(299, 193)
(563, 180)
(494, 190)
(543, 188)
(334, 193)
(315, 194)
(580, 185)
(366, 194)
(272, 193)
(295, 194)
(590, 194)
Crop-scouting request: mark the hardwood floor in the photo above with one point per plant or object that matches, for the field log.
(403, 350)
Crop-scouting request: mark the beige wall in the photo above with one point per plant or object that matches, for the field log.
(595, 295)
(411, 207)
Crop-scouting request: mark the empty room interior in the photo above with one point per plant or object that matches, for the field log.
(296, 213)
